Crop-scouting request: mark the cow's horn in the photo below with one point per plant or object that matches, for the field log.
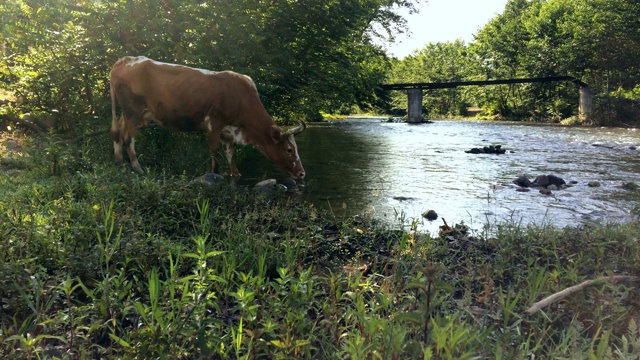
(297, 130)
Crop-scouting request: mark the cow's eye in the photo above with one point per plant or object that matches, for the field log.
(290, 150)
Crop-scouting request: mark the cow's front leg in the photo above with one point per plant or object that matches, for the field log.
(228, 151)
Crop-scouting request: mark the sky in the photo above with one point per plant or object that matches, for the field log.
(442, 21)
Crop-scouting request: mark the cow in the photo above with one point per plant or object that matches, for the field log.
(225, 105)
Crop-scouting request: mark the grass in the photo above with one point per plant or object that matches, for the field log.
(99, 262)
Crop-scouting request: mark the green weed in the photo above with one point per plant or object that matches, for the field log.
(100, 262)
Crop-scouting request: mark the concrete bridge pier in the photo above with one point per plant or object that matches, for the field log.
(414, 105)
(586, 104)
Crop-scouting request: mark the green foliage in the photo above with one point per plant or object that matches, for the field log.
(304, 57)
(100, 262)
(594, 41)
(440, 62)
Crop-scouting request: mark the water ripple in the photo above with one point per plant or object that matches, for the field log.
(370, 164)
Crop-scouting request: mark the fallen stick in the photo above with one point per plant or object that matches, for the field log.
(614, 279)
(83, 137)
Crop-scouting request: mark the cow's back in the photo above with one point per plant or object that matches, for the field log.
(181, 97)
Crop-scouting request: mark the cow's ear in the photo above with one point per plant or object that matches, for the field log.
(276, 133)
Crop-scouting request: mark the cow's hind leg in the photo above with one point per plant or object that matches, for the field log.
(124, 131)
(116, 135)
(213, 139)
(131, 150)
(131, 128)
(130, 141)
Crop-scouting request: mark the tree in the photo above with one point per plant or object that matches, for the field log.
(436, 62)
(592, 40)
(306, 56)
(606, 41)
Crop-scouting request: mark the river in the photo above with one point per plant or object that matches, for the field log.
(397, 171)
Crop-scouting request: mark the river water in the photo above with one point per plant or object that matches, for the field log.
(398, 170)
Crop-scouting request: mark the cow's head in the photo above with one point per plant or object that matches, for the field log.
(284, 151)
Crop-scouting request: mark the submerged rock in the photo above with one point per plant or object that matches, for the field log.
(555, 180)
(403, 198)
(430, 215)
(603, 145)
(290, 183)
(522, 181)
(545, 192)
(541, 181)
(491, 149)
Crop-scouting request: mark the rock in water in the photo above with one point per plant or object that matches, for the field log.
(555, 180)
(430, 215)
(289, 183)
(522, 181)
(541, 181)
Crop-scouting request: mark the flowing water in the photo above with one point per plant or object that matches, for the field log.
(397, 169)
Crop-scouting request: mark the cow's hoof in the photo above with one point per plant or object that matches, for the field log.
(136, 166)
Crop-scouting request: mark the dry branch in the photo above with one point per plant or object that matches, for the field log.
(570, 290)
(24, 123)
(83, 137)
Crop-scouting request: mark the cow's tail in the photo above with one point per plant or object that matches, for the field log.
(115, 126)
(113, 102)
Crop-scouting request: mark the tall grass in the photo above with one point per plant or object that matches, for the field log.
(99, 262)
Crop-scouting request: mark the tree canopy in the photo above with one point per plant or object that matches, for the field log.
(595, 41)
(306, 56)
(309, 57)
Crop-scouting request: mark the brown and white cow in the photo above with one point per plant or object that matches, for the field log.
(223, 104)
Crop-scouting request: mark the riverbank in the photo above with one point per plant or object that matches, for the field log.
(476, 114)
(98, 261)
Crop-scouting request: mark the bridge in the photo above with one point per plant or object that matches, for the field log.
(414, 92)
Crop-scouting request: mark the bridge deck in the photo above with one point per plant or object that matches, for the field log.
(453, 84)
